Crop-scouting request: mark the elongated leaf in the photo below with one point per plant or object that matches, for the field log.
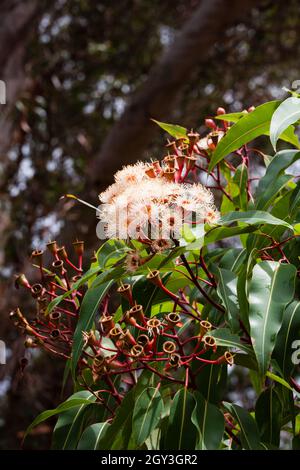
(117, 435)
(275, 179)
(85, 278)
(252, 217)
(71, 403)
(270, 290)
(181, 434)
(288, 135)
(148, 410)
(91, 436)
(249, 434)
(227, 291)
(209, 421)
(231, 117)
(247, 128)
(240, 179)
(287, 113)
(224, 337)
(289, 331)
(279, 380)
(88, 309)
(110, 252)
(220, 233)
(173, 129)
(268, 415)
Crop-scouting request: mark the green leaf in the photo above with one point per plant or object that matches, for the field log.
(173, 129)
(91, 436)
(110, 252)
(249, 434)
(231, 117)
(275, 179)
(85, 278)
(88, 309)
(247, 128)
(268, 415)
(70, 403)
(148, 410)
(287, 113)
(224, 337)
(227, 291)
(289, 331)
(220, 233)
(252, 217)
(181, 435)
(209, 421)
(240, 180)
(279, 380)
(270, 290)
(117, 435)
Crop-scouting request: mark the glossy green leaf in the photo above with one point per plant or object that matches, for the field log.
(87, 313)
(84, 279)
(70, 403)
(240, 179)
(224, 337)
(148, 410)
(268, 415)
(91, 436)
(231, 117)
(275, 179)
(247, 128)
(270, 290)
(249, 434)
(173, 129)
(252, 217)
(220, 233)
(227, 291)
(279, 380)
(289, 331)
(209, 421)
(287, 113)
(111, 252)
(117, 435)
(181, 434)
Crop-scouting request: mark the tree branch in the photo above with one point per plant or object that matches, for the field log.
(157, 96)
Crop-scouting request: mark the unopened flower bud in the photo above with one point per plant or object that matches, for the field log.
(220, 111)
(210, 123)
(22, 280)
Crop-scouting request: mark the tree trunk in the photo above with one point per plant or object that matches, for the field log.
(17, 25)
(157, 96)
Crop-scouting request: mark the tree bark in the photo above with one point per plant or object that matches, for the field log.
(17, 25)
(156, 98)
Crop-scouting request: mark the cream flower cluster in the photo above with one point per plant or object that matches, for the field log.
(145, 203)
